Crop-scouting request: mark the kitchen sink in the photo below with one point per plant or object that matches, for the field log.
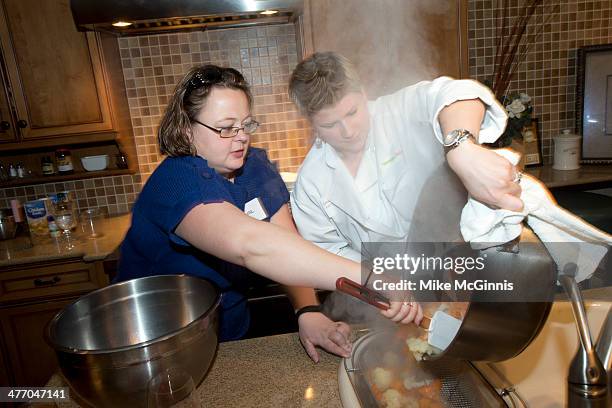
(539, 374)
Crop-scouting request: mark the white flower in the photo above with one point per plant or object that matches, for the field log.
(524, 97)
(515, 107)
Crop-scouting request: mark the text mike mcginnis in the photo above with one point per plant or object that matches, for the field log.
(437, 285)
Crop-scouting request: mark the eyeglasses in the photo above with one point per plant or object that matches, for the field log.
(231, 131)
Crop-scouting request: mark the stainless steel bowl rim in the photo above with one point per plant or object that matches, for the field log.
(60, 348)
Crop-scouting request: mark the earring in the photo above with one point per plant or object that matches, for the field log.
(318, 143)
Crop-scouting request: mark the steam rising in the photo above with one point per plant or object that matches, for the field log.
(393, 43)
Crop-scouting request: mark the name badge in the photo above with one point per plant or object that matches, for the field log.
(255, 209)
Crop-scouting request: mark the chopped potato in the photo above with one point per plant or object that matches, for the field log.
(392, 398)
(419, 347)
(382, 378)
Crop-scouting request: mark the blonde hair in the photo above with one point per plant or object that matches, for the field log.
(190, 94)
(321, 80)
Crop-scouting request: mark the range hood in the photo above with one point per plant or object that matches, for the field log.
(158, 16)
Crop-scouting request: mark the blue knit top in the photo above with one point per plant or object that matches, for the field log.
(151, 246)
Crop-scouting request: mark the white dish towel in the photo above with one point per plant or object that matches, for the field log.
(482, 225)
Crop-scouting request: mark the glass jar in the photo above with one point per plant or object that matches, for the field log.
(48, 168)
(64, 161)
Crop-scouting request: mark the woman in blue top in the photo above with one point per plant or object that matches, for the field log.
(216, 208)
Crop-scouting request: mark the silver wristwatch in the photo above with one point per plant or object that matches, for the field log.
(455, 138)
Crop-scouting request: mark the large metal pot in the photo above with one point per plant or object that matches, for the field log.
(111, 342)
(498, 329)
(494, 328)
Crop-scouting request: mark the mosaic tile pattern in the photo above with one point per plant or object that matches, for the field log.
(116, 194)
(548, 72)
(153, 64)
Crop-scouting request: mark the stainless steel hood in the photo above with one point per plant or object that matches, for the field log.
(156, 16)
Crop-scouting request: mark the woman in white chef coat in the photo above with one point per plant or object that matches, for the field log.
(361, 180)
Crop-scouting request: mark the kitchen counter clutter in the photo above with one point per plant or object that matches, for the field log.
(38, 281)
(269, 371)
(19, 251)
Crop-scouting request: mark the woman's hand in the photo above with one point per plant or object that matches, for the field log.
(316, 329)
(487, 176)
(404, 312)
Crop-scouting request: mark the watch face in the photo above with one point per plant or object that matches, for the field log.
(451, 137)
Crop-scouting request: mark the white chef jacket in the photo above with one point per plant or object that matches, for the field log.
(338, 212)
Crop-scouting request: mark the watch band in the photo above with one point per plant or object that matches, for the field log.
(307, 309)
(455, 138)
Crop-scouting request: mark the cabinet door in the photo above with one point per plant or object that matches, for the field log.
(4, 377)
(55, 71)
(392, 45)
(30, 360)
(7, 126)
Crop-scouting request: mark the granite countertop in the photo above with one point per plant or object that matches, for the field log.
(586, 174)
(272, 371)
(20, 251)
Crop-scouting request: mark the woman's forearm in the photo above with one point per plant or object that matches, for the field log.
(466, 114)
(299, 296)
(222, 230)
(487, 176)
(289, 259)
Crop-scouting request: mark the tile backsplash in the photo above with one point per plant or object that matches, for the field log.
(152, 65)
(548, 71)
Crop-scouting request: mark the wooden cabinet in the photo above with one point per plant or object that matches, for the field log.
(66, 86)
(4, 378)
(7, 124)
(30, 360)
(30, 295)
(393, 43)
(54, 279)
(57, 90)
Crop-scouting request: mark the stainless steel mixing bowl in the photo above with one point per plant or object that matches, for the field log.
(111, 342)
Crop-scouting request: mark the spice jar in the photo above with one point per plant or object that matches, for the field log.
(21, 172)
(47, 166)
(64, 161)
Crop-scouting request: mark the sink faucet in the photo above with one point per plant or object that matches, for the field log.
(604, 347)
(587, 379)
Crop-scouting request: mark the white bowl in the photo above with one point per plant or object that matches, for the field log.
(95, 163)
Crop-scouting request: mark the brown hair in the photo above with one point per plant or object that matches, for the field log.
(174, 133)
(321, 80)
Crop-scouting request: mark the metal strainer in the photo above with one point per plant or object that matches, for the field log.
(462, 386)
